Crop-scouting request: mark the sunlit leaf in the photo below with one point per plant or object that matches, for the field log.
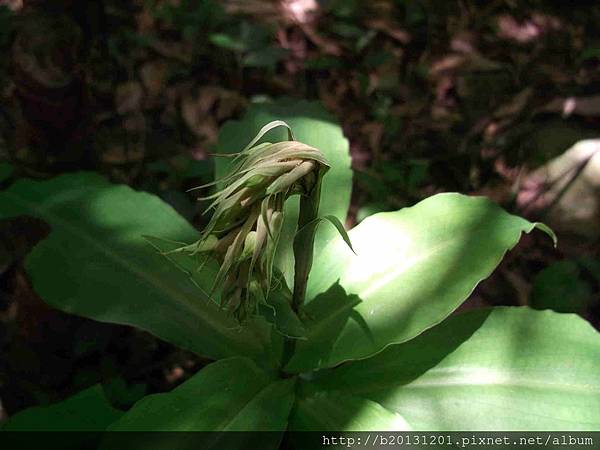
(412, 269)
(495, 369)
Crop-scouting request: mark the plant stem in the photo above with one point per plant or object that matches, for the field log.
(303, 255)
(304, 244)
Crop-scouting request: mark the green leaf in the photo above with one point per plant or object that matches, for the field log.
(331, 411)
(227, 42)
(336, 223)
(86, 411)
(497, 369)
(414, 267)
(324, 63)
(370, 209)
(313, 126)
(229, 395)
(341, 230)
(6, 171)
(560, 287)
(590, 52)
(281, 314)
(96, 263)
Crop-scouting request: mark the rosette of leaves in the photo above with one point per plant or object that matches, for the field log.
(244, 230)
(381, 349)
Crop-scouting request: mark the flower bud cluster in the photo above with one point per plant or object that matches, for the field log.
(243, 233)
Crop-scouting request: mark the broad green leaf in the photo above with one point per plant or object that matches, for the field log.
(331, 411)
(86, 411)
(96, 263)
(496, 369)
(414, 267)
(229, 395)
(312, 125)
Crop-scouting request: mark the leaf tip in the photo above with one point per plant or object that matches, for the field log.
(546, 229)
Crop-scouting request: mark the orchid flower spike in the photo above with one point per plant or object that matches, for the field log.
(243, 232)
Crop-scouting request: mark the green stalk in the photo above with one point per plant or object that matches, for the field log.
(303, 254)
(304, 243)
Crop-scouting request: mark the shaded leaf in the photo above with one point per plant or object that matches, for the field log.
(123, 394)
(86, 411)
(561, 288)
(330, 411)
(229, 395)
(282, 315)
(6, 171)
(96, 263)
